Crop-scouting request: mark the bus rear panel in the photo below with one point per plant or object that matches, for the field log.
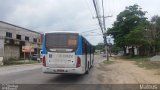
(63, 53)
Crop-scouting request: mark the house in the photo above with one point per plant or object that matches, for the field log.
(13, 38)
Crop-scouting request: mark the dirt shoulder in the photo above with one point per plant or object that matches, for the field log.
(126, 72)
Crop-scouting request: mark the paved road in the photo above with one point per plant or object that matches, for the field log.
(101, 77)
(32, 74)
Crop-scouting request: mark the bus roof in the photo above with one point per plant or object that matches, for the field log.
(68, 32)
(62, 32)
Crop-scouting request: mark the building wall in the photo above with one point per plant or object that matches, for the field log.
(16, 30)
(1, 47)
(1, 51)
(15, 50)
(11, 51)
(128, 50)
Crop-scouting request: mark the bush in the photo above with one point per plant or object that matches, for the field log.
(9, 61)
(13, 61)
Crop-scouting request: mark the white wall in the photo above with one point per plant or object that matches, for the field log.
(1, 51)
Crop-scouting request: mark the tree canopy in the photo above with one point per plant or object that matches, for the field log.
(129, 26)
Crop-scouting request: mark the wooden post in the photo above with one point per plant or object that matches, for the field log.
(24, 56)
(30, 56)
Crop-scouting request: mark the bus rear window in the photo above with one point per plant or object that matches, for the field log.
(61, 40)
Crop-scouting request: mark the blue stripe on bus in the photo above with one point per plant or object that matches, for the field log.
(79, 48)
(44, 50)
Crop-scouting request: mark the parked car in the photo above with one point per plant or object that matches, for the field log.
(35, 56)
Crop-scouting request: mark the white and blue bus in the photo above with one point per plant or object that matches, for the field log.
(66, 52)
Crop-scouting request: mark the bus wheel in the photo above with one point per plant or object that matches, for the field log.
(88, 69)
(87, 72)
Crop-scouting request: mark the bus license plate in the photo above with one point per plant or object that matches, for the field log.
(60, 70)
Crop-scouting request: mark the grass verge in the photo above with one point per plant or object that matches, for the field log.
(143, 62)
(20, 62)
(149, 64)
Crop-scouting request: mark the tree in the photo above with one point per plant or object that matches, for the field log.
(100, 46)
(130, 23)
(114, 49)
(153, 34)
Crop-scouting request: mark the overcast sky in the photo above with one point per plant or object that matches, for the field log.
(72, 15)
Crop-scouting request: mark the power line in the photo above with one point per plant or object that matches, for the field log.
(93, 35)
(97, 33)
(104, 25)
(101, 24)
(98, 14)
(89, 30)
(77, 27)
(87, 4)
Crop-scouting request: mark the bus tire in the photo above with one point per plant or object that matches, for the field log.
(87, 72)
(87, 69)
(88, 66)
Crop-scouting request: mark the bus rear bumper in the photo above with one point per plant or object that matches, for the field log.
(50, 70)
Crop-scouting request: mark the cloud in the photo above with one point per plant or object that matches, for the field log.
(75, 15)
(114, 7)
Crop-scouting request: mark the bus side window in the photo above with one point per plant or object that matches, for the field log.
(88, 48)
(84, 46)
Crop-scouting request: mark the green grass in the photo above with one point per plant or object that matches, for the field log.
(129, 57)
(20, 62)
(108, 62)
(143, 61)
(30, 62)
(148, 64)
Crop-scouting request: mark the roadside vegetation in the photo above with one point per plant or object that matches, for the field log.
(143, 62)
(13, 61)
(133, 29)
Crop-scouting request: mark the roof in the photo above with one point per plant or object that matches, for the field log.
(20, 27)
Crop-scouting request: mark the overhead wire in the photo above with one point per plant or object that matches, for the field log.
(87, 4)
(89, 30)
(98, 14)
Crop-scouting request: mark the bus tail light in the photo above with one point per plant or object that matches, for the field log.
(78, 62)
(44, 61)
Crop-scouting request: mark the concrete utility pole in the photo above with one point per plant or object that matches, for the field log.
(102, 24)
(105, 38)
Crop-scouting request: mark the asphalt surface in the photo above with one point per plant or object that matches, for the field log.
(101, 77)
(35, 79)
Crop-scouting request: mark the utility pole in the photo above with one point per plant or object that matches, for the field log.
(105, 38)
(103, 29)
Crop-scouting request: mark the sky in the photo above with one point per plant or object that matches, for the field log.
(68, 15)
